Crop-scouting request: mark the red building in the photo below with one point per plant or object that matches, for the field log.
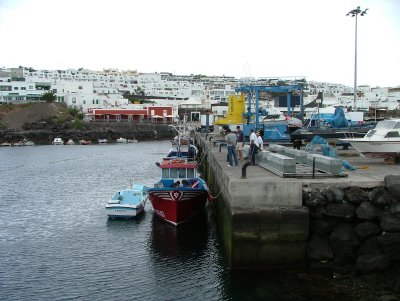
(149, 114)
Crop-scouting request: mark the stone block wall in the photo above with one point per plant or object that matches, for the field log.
(354, 230)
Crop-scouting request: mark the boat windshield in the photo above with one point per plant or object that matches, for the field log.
(387, 124)
(178, 173)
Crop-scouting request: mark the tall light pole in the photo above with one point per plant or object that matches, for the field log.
(354, 13)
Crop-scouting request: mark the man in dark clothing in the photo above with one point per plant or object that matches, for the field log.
(240, 142)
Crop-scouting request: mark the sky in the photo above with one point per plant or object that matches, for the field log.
(253, 38)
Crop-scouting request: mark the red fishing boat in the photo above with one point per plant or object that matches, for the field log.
(180, 194)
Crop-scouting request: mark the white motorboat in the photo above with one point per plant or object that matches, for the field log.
(28, 142)
(58, 141)
(382, 141)
(103, 141)
(132, 140)
(70, 142)
(128, 202)
(122, 140)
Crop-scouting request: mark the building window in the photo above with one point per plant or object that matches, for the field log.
(15, 88)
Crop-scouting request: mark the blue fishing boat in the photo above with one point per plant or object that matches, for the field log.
(128, 202)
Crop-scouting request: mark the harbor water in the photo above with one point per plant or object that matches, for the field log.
(57, 243)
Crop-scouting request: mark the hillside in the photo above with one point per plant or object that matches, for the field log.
(42, 122)
(13, 117)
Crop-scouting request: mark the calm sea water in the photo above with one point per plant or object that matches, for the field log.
(56, 242)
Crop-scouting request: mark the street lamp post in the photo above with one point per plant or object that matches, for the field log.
(354, 13)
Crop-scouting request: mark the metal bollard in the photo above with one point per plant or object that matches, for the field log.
(313, 168)
(244, 166)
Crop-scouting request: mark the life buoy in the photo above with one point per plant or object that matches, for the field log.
(195, 184)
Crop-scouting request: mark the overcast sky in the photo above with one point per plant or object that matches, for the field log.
(258, 38)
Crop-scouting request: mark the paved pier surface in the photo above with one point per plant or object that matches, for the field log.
(261, 216)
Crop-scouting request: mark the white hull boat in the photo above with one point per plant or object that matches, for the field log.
(58, 141)
(122, 140)
(382, 141)
(128, 202)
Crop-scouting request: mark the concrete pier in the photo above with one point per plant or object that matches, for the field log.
(261, 217)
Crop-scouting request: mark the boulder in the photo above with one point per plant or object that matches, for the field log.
(323, 226)
(390, 223)
(392, 183)
(372, 263)
(367, 211)
(390, 244)
(367, 229)
(380, 197)
(334, 195)
(355, 195)
(314, 199)
(370, 246)
(344, 241)
(343, 211)
(319, 248)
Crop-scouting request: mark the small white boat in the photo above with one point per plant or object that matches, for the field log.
(85, 142)
(28, 142)
(382, 141)
(128, 202)
(132, 140)
(103, 141)
(122, 140)
(70, 142)
(6, 144)
(58, 141)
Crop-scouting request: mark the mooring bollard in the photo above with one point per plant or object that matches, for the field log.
(244, 167)
(313, 168)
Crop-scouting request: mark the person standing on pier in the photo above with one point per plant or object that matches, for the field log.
(231, 140)
(253, 147)
(240, 142)
(260, 141)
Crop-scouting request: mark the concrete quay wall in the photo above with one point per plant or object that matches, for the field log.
(263, 223)
(271, 222)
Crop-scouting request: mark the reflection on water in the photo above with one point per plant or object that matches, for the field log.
(187, 242)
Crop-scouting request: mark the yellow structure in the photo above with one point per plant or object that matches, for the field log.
(236, 108)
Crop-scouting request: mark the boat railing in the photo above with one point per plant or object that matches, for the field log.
(348, 134)
(275, 131)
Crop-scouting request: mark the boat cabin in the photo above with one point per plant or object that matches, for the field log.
(178, 172)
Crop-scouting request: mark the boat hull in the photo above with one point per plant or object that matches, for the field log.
(124, 211)
(375, 148)
(329, 134)
(177, 205)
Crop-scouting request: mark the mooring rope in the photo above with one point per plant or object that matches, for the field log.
(211, 197)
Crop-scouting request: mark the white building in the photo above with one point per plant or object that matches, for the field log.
(85, 89)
